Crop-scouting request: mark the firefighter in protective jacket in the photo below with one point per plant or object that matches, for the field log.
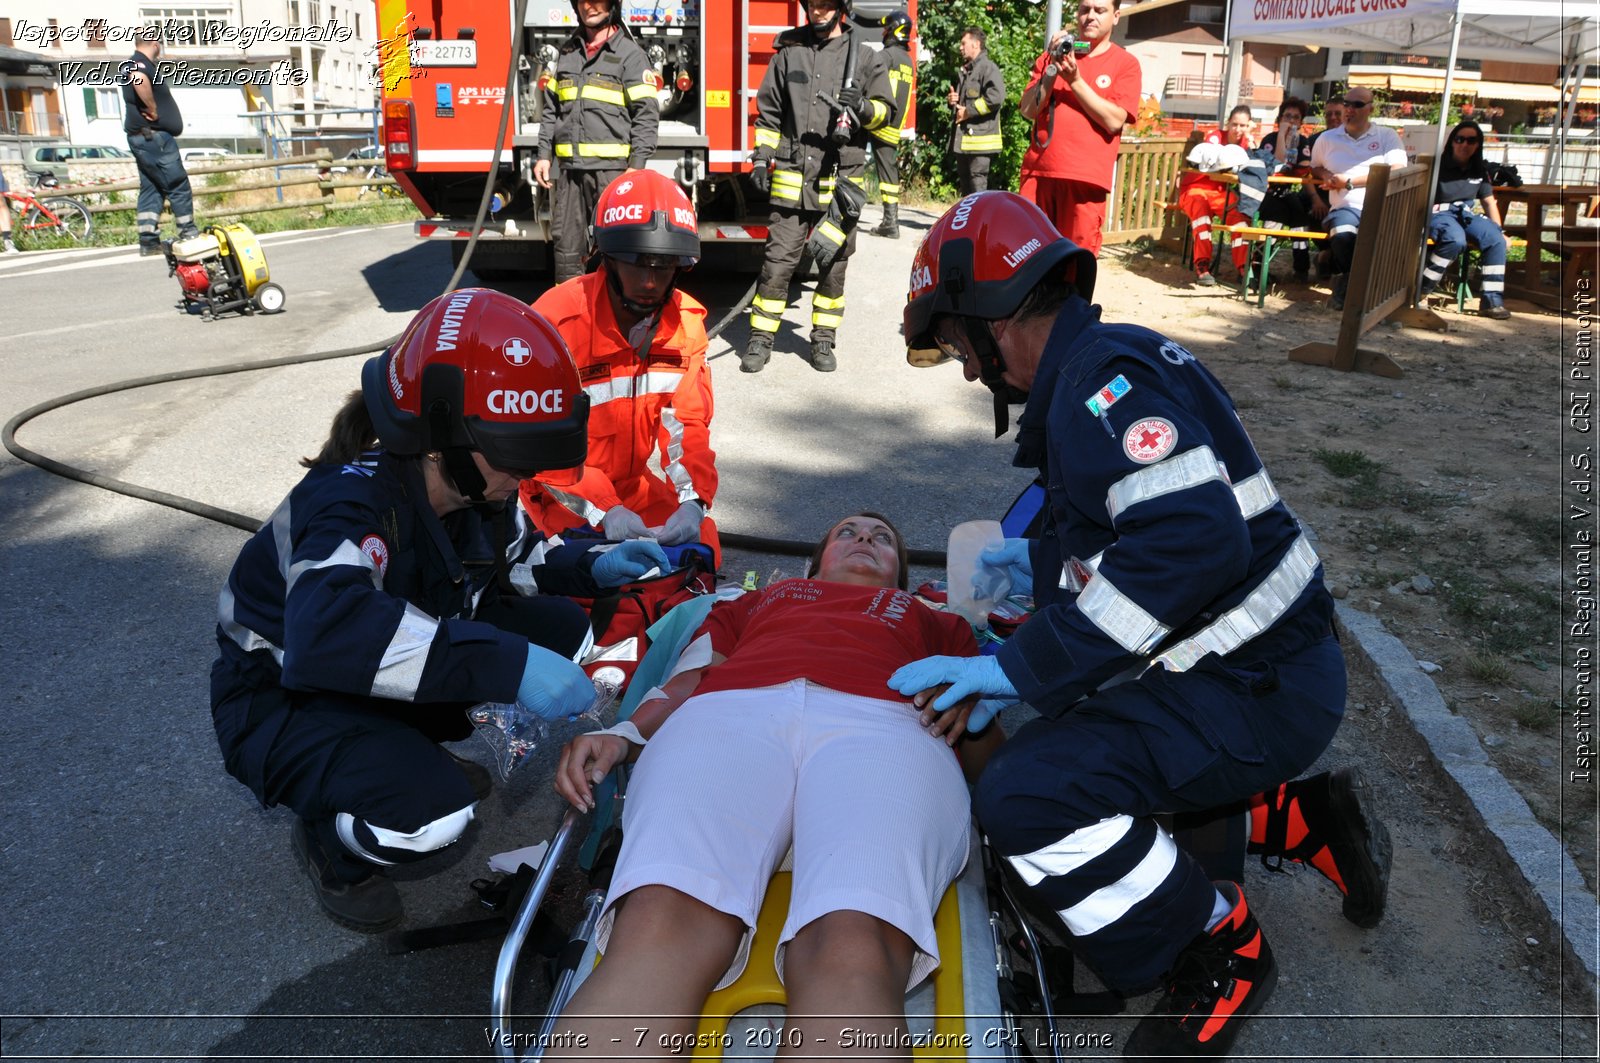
(896, 55)
(975, 103)
(822, 96)
(599, 117)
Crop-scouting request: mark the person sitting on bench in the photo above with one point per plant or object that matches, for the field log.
(1340, 161)
(792, 736)
(1202, 198)
(1463, 181)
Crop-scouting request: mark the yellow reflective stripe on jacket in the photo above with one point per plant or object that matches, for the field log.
(980, 106)
(880, 114)
(767, 138)
(988, 144)
(568, 94)
(786, 185)
(595, 92)
(641, 91)
(593, 151)
(888, 134)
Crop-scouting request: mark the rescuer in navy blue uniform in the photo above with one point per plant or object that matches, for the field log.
(1167, 560)
(394, 588)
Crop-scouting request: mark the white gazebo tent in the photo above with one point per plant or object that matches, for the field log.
(1562, 32)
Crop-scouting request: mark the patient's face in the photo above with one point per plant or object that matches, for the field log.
(861, 550)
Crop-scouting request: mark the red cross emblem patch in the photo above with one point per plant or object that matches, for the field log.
(1149, 440)
(377, 552)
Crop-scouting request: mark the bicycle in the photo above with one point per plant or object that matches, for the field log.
(373, 172)
(38, 218)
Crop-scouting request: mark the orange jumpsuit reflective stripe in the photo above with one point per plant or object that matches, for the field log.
(659, 406)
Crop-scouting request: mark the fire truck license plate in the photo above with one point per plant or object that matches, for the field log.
(446, 53)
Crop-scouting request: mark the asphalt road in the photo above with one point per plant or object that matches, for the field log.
(153, 908)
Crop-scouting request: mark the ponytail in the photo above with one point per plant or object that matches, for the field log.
(352, 434)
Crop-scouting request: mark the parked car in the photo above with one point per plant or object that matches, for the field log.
(204, 155)
(53, 158)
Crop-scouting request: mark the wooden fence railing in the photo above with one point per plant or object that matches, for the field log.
(301, 171)
(1146, 173)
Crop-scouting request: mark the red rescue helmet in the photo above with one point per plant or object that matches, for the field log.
(980, 260)
(477, 370)
(646, 213)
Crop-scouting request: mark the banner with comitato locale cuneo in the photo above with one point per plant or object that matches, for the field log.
(1308, 18)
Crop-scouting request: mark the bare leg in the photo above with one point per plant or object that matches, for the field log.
(667, 951)
(848, 971)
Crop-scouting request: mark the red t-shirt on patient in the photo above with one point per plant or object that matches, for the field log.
(842, 636)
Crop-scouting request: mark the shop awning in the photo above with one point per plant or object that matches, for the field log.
(1409, 83)
(1516, 90)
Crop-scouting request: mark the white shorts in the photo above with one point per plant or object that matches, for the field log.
(876, 809)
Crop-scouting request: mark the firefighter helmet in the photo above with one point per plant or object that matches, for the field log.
(477, 370)
(846, 11)
(616, 13)
(645, 213)
(897, 28)
(981, 259)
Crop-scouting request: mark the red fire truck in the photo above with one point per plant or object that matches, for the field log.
(443, 65)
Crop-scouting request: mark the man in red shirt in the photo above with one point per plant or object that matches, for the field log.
(640, 345)
(1078, 102)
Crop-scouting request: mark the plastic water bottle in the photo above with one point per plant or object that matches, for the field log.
(973, 588)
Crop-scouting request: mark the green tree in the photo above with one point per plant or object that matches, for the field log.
(1015, 30)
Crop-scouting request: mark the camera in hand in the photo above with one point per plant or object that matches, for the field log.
(1069, 43)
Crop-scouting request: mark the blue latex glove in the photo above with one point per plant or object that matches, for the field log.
(984, 712)
(553, 687)
(1014, 560)
(629, 561)
(966, 676)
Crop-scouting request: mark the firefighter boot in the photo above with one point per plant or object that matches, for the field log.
(757, 353)
(1327, 821)
(822, 359)
(368, 904)
(1221, 978)
(890, 225)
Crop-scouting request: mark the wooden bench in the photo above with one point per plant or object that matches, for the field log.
(1272, 241)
